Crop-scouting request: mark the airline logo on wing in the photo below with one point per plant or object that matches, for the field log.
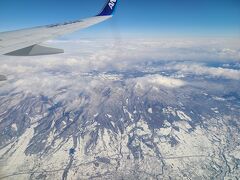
(112, 3)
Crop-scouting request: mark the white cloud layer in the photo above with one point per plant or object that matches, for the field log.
(72, 70)
(204, 49)
(199, 69)
(158, 81)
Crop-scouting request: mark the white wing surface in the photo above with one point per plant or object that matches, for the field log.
(26, 42)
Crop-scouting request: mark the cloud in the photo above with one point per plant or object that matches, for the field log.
(74, 70)
(204, 49)
(158, 81)
(199, 69)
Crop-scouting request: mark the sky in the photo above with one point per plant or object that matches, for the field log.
(133, 18)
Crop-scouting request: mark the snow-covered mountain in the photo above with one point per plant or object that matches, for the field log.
(160, 120)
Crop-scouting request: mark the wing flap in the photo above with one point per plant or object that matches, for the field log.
(3, 78)
(35, 50)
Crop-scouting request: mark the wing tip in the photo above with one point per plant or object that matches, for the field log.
(109, 8)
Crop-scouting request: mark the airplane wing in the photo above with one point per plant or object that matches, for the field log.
(26, 42)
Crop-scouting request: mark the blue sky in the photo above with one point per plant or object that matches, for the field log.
(133, 17)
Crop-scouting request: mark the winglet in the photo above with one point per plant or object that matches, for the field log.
(108, 8)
